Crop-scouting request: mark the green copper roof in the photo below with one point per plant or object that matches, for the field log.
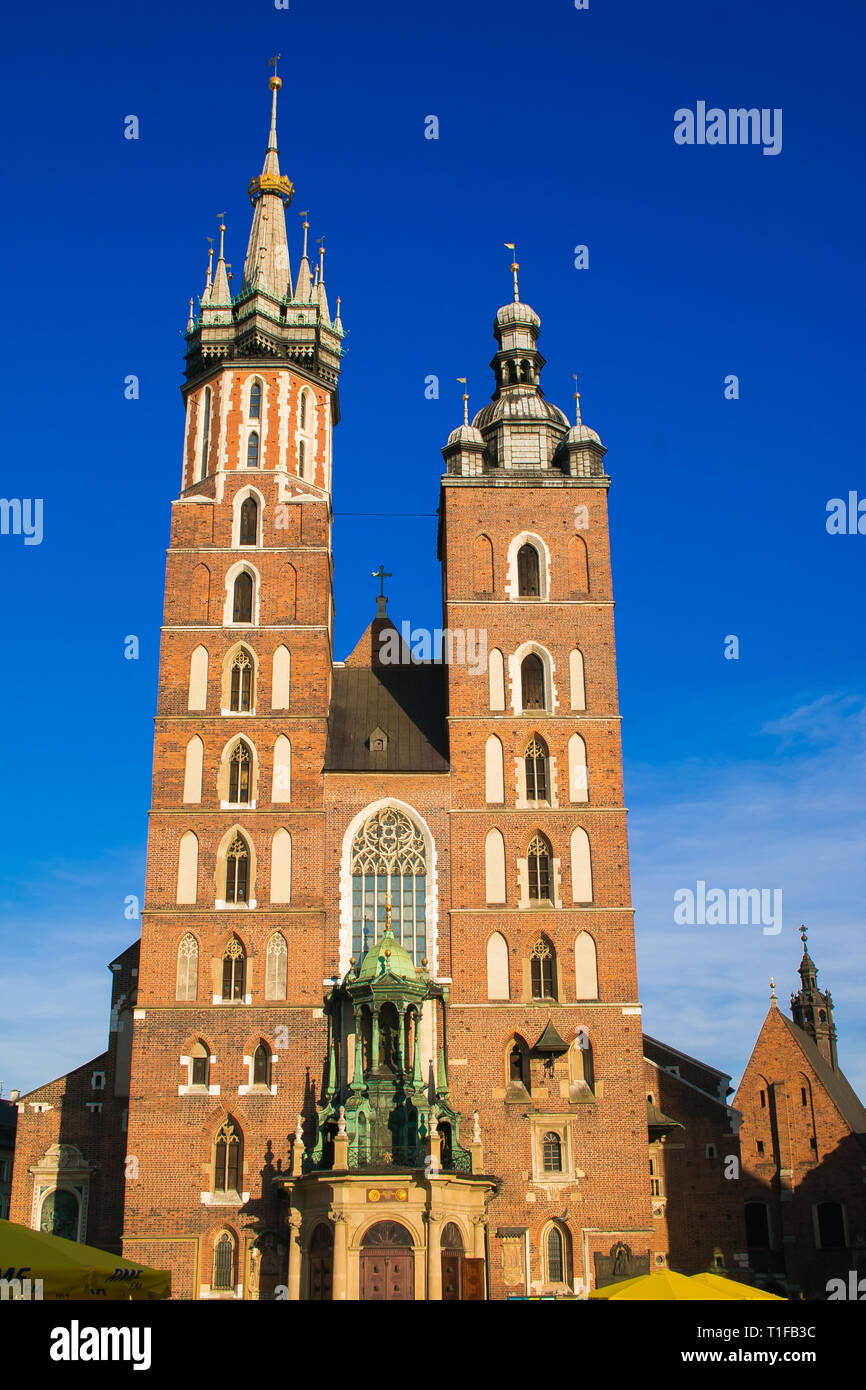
(387, 957)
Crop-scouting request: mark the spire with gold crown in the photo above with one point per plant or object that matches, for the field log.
(266, 267)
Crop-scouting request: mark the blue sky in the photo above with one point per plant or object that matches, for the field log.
(555, 130)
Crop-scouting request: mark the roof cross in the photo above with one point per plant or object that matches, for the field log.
(381, 574)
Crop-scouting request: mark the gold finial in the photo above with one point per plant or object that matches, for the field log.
(209, 262)
(388, 912)
(510, 246)
(577, 419)
(275, 83)
(221, 215)
(306, 226)
(462, 380)
(773, 999)
(803, 936)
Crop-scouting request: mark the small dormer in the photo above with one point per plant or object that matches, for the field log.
(378, 741)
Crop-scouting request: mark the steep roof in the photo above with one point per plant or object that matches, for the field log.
(835, 1083)
(405, 703)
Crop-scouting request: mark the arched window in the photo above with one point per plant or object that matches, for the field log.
(536, 769)
(302, 457)
(199, 595)
(223, 1262)
(192, 770)
(276, 970)
(241, 685)
(542, 963)
(228, 1159)
(585, 967)
(578, 779)
(280, 678)
(187, 968)
(205, 433)
(539, 865)
(234, 969)
(581, 866)
(281, 782)
(302, 411)
(576, 679)
(242, 607)
(551, 1152)
(497, 967)
(494, 771)
(199, 1065)
(483, 565)
(532, 682)
(249, 527)
(281, 866)
(528, 573)
(496, 677)
(253, 450)
(494, 867)
(255, 401)
(555, 1256)
(525, 370)
(518, 1064)
(240, 774)
(187, 868)
(237, 871)
(262, 1065)
(389, 856)
(581, 1066)
(197, 698)
(60, 1214)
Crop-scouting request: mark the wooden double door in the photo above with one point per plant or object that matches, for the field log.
(387, 1274)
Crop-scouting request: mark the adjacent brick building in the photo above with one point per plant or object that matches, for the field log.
(387, 1036)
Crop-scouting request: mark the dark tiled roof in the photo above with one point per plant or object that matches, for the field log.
(656, 1119)
(835, 1083)
(406, 702)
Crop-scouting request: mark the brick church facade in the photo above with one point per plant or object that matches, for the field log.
(386, 1038)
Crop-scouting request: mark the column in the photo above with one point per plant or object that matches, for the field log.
(341, 1255)
(434, 1257)
(295, 1257)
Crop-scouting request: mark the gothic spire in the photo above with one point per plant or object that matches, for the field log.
(266, 267)
(812, 1008)
(220, 292)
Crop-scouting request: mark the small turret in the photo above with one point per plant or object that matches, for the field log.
(812, 1009)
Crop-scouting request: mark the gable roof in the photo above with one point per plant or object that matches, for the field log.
(835, 1083)
(406, 702)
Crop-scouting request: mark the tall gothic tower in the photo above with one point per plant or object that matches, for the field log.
(545, 1035)
(387, 927)
(234, 885)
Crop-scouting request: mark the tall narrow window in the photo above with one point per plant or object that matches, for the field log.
(200, 1065)
(528, 574)
(532, 682)
(187, 968)
(302, 412)
(227, 1159)
(249, 528)
(205, 433)
(234, 969)
(242, 609)
(551, 1152)
(237, 871)
(302, 455)
(539, 868)
(262, 1065)
(253, 450)
(536, 769)
(240, 775)
(555, 1261)
(543, 969)
(223, 1263)
(276, 970)
(241, 686)
(255, 401)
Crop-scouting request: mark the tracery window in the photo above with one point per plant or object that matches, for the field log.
(241, 689)
(237, 871)
(234, 969)
(542, 969)
(555, 1261)
(538, 858)
(536, 769)
(227, 1159)
(240, 775)
(223, 1262)
(187, 968)
(388, 856)
(205, 433)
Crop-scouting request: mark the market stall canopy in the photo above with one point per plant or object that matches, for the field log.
(72, 1271)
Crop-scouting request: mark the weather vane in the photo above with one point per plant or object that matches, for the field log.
(381, 574)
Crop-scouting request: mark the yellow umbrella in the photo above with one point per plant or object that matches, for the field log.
(664, 1285)
(733, 1289)
(72, 1271)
